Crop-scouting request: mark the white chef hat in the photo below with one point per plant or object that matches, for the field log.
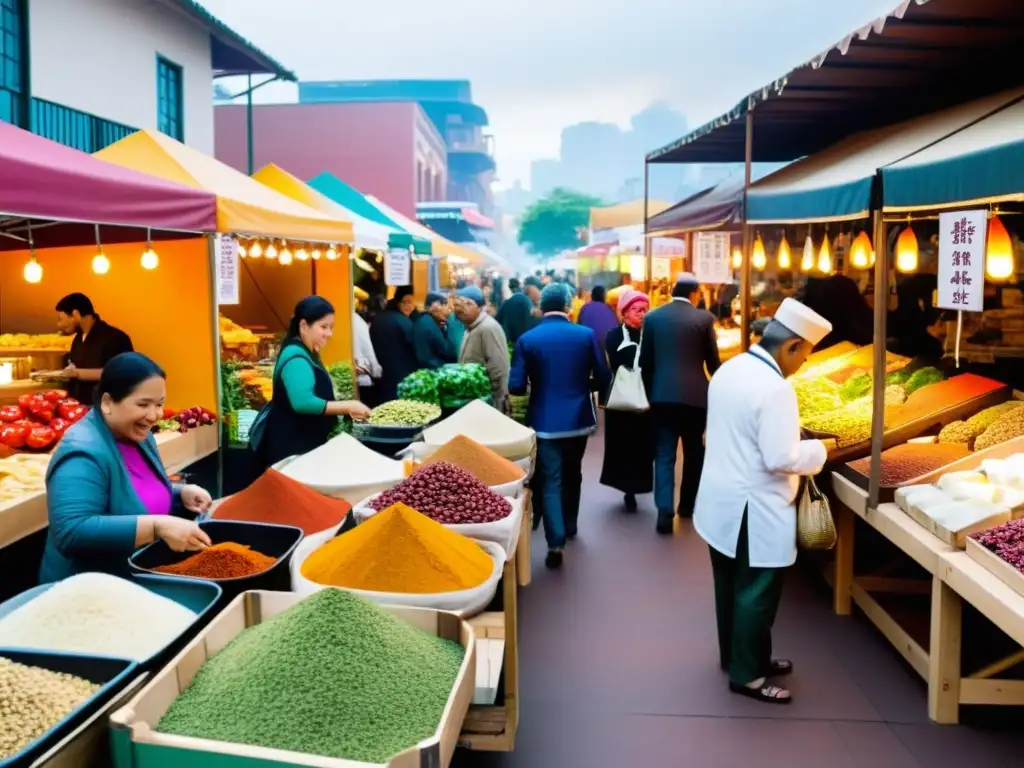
(803, 321)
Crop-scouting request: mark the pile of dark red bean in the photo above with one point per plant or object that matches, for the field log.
(448, 495)
(1006, 540)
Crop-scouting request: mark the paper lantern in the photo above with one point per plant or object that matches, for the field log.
(785, 257)
(825, 257)
(737, 258)
(906, 251)
(807, 262)
(999, 261)
(758, 259)
(860, 251)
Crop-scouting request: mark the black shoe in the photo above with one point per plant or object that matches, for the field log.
(630, 502)
(684, 513)
(554, 559)
(664, 527)
(570, 536)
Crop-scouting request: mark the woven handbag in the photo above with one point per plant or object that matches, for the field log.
(815, 528)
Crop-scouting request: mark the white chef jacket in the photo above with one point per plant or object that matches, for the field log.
(753, 460)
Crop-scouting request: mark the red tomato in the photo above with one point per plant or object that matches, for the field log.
(74, 413)
(11, 413)
(60, 426)
(169, 413)
(42, 412)
(69, 401)
(54, 395)
(25, 401)
(13, 435)
(40, 438)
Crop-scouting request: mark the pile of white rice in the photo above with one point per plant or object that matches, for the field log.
(96, 614)
(344, 462)
(487, 426)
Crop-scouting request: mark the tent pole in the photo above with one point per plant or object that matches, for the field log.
(248, 129)
(878, 366)
(745, 295)
(648, 264)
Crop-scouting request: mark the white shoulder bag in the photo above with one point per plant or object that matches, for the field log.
(627, 392)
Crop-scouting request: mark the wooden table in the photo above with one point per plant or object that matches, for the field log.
(955, 577)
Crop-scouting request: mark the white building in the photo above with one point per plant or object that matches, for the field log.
(88, 72)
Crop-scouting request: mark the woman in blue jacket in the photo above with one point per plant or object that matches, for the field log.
(107, 492)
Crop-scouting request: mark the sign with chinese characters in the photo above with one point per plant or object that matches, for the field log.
(226, 252)
(711, 261)
(398, 267)
(962, 260)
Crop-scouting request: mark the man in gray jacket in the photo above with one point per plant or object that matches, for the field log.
(484, 342)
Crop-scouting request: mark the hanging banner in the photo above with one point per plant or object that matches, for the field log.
(661, 268)
(962, 260)
(226, 255)
(711, 260)
(398, 267)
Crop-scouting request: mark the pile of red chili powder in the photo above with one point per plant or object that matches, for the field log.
(226, 560)
(275, 498)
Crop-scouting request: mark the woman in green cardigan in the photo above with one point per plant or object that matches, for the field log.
(303, 408)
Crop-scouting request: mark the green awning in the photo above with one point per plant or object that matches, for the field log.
(331, 186)
(979, 165)
(836, 184)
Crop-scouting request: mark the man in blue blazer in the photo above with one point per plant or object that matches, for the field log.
(562, 365)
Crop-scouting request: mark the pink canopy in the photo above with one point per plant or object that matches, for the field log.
(46, 180)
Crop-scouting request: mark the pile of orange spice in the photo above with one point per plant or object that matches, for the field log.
(226, 560)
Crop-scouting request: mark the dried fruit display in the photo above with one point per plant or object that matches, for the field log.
(904, 463)
(969, 430)
(1006, 427)
(1006, 541)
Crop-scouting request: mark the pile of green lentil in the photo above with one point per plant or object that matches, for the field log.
(334, 675)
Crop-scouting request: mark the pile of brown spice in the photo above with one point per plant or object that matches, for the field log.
(479, 460)
(911, 460)
(226, 560)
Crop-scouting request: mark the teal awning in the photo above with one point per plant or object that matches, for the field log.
(980, 165)
(331, 186)
(836, 184)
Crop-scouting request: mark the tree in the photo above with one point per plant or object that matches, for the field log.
(553, 223)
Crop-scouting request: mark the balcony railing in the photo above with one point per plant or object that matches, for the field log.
(75, 128)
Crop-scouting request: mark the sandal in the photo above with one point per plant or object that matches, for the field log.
(769, 694)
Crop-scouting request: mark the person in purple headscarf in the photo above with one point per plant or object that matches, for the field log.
(598, 316)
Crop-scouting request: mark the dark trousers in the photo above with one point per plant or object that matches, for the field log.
(557, 485)
(673, 423)
(746, 600)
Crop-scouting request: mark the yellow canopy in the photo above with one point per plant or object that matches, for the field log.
(244, 205)
(441, 245)
(625, 214)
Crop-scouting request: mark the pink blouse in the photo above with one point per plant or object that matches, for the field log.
(154, 494)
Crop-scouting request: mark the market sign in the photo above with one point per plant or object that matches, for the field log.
(398, 267)
(962, 260)
(661, 268)
(711, 258)
(226, 255)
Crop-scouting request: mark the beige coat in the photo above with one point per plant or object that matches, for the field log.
(485, 343)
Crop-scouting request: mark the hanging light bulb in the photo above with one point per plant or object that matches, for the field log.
(100, 262)
(758, 259)
(906, 251)
(860, 251)
(302, 254)
(317, 253)
(332, 254)
(33, 271)
(243, 252)
(807, 262)
(149, 258)
(271, 251)
(785, 257)
(737, 258)
(255, 250)
(999, 261)
(825, 257)
(285, 257)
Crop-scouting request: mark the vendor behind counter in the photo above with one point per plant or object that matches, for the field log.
(95, 344)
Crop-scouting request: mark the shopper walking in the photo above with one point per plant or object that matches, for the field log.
(598, 316)
(745, 508)
(484, 342)
(561, 363)
(679, 342)
(520, 312)
(391, 333)
(430, 334)
(628, 435)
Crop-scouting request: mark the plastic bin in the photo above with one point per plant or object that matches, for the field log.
(277, 541)
(194, 594)
(110, 674)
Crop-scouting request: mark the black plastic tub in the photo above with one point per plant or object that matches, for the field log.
(277, 541)
(110, 674)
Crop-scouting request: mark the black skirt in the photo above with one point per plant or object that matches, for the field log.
(628, 452)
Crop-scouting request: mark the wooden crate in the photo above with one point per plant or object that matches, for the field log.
(998, 567)
(523, 554)
(957, 539)
(179, 450)
(492, 728)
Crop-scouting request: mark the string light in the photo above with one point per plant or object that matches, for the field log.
(759, 259)
(243, 252)
(255, 250)
(149, 258)
(807, 262)
(33, 271)
(100, 262)
(285, 256)
(906, 251)
(785, 257)
(317, 253)
(271, 251)
(332, 254)
(999, 261)
(825, 257)
(302, 254)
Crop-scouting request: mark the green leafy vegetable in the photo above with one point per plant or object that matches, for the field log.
(856, 386)
(922, 378)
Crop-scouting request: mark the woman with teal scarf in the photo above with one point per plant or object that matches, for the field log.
(303, 410)
(107, 492)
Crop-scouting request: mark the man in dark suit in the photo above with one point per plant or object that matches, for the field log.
(430, 334)
(679, 342)
(560, 361)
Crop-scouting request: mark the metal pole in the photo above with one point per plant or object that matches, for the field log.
(211, 264)
(248, 129)
(648, 256)
(878, 366)
(745, 296)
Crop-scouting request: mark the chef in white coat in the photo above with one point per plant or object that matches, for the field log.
(745, 508)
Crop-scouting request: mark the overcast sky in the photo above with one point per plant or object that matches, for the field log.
(539, 65)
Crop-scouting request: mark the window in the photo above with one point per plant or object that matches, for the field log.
(13, 62)
(168, 99)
